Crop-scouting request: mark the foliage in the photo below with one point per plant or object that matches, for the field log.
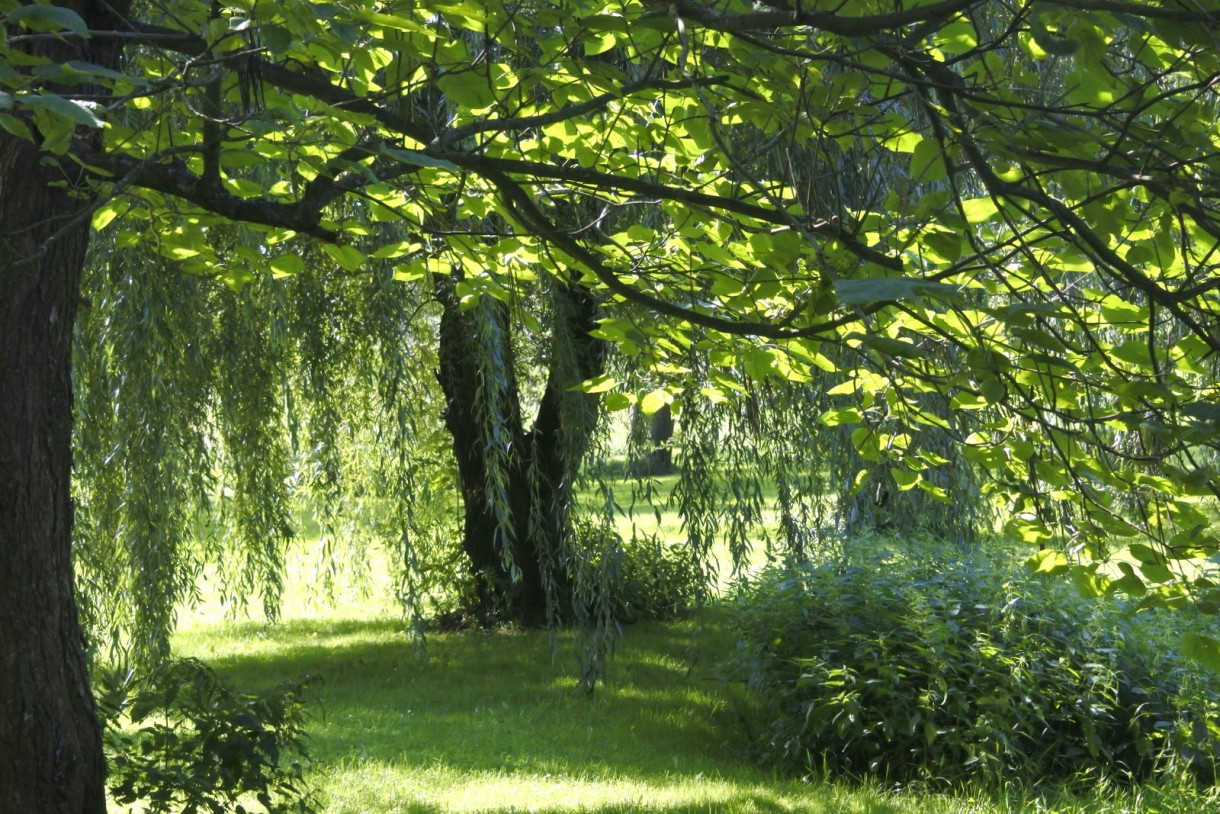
(179, 740)
(661, 579)
(217, 427)
(996, 221)
(489, 723)
(650, 578)
(953, 666)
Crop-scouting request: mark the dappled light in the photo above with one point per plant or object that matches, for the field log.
(484, 722)
(703, 405)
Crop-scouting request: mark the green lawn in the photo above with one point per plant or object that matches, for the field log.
(494, 721)
(490, 722)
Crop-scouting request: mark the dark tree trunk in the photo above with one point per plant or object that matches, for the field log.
(51, 758)
(513, 533)
(658, 459)
(50, 742)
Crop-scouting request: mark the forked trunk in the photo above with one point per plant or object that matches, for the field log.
(517, 492)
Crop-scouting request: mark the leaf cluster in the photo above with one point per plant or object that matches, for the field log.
(650, 578)
(179, 740)
(959, 668)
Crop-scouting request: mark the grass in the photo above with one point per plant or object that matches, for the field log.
(488, 722)
(491, 722)
(494, 722)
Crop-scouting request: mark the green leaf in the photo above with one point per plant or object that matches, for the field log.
(15, 126)
(1119, 311)
(1028, 529)
(469, 88)
(75, 112)
(49, 18)
(1203, 649)
(106, 213)
(655, 401)
(884, 289)
(349, 258)
(598, 384)
(947, 245)
(888, 346)
(759, 363)
(848, 415)
(614, 402)
(287, 264)
(1047, 561)
(927, 162)
(1054, 43)
(417, 159)
(993, 391)
(905, 479)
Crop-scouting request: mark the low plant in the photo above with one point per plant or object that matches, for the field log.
(179, 740)
(649, 578)
(964, 667)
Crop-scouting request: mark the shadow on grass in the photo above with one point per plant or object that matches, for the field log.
(496, 712)
(479, 699)
(491, 723)
(741, 803)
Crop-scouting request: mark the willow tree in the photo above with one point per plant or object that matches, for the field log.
(1059, 233)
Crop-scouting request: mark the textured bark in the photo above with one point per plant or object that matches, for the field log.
(540, 465)
(51, 758)
(50, 742)
(658, 457)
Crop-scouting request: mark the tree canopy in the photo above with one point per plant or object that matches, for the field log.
(995, 220)
(1008, 206)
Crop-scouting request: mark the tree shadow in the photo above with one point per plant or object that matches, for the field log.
(505, 704)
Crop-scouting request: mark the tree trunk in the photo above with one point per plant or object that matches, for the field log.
(517, 504)
(51, 759)
(50, 742)
(658, 457)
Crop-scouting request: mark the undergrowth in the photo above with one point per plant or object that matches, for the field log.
(954, 667)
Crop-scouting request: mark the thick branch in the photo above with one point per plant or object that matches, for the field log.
(835, 23)
(537, 223)
(487, 166)
(176, 179)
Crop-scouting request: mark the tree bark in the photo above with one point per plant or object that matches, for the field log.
(51, 759)
(658, 457)
(513, 532)
(50, 741)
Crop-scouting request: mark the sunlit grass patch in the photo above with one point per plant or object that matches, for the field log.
(494, 722)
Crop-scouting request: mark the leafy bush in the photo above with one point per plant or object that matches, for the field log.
(179, 740)
(659, 580)
(954, 670)
(649, 578)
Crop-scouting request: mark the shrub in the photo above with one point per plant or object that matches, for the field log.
(179, 740)
(962, 669)
(660, 580)
(647, 577)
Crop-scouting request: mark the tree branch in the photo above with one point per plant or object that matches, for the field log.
(176, 179)
(538, 224)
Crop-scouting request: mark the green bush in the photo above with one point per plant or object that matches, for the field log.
(647, 577)
(966, 669)
(179, 740)
(659, 580)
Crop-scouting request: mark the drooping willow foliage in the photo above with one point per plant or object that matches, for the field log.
(214, 424)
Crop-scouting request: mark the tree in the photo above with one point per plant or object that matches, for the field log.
(1048, 269)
